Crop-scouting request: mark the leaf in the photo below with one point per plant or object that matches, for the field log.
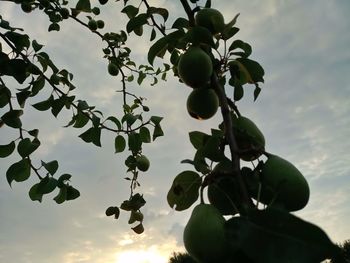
(36, 46)
(134, 203)
(156, 49)
(72, 193)
(21, 41)
(61, 196)
(115, 121)
(25, 147)
(5, 94)
(157, 132)
(83, 5)
(198, 138)
(156, 119)
(247, 49)
(80, 120)
(112, 210)
(184, 190)
(136, 22)
(180, 23)
(7, 149)
(44, 105)
(257, 91)
(119, 144)
(46, 185)
(238, 92)
(160, 11)
(254, 68)
(16, 68)
(51, 167)
(62, 179)
(229, 32)
(22, 97)
(12, 119)
(92, 135)
(19, 171)
(138, 229)
(130, 10)
(54, 27)
(276, 236)
(145, 135)
(34, 194)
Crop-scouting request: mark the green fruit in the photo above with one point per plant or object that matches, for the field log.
(64, 13)
(92, 24)
(26, 7)
(102, 2)
(195, 67)
(113, 69)
(211, 19)
(100, 24)
(249, 138)
(142, 163)
(204, 234)
(202, 103)
(282, 179)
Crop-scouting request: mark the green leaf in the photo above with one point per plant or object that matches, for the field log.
(44, 105)
(16, 68)
(92, 135)
(129, 118)
(212, 150)
(198, 138)
(34, 194)
(115, 121)
(54, 27)
(238, 92)
(22, 96)
(141, 77)
(34, 133)
(145, 135)
(51, 167)
(119, 144)
(46, 185)
(38, 85)
(62, 195)
(156, 49)
(80, 120)
(254, 68)
(25, 147)
(62, 180)
(229, 32)
(257, 91)
(180, 23)
(160, 11)
(247, 49)
(130, 10)
(113, 210)
(276, 236)
(7, 149)
(136, 22)
(184, 190)
(156, 120)
(12, 119)
(72, 193)
(19, 171)
(83, 5)
(19, 40)
(5, 95)
(157, 132)
(36, 46)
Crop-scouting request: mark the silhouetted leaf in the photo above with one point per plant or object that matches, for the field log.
(12, 119)
(25, 147)
(51, 167)
(7, 149)
(119, 144)
(19, 171)
(184, 190)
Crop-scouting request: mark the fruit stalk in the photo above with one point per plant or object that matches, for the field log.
(225, 111)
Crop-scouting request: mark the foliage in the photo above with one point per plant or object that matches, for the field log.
(181, 258)
(263, 229)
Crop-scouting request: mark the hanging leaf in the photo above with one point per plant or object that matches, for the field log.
(7, 150)
(19, 171)
(25, 147)
(51, 167)
(119, 144)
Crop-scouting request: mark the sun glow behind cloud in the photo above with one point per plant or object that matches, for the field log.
(149, 255)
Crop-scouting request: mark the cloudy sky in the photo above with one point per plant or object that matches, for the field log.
(303, 112)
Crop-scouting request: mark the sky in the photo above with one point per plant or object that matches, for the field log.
(303, 111)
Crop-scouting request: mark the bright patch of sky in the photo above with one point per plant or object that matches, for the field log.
(303, 111)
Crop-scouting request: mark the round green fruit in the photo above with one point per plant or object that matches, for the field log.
(249, 138)
(283, 180)
(113, 69)
(202, 103)
(100, 24)
(211, 19)
(92, 24)
(142, 163)
(204, 234)
(195, 67)
(64, 13)
(26, 7)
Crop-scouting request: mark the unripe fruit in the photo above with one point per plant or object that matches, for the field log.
(92, 24)
(249, 138)
(100, 24)
(280, 177)
(202, 103)
(26, 7)
(113, 69)
(102, 2)
(195, 67)
(142, 163)
(211, 19)
(204, 234)
(64, 13)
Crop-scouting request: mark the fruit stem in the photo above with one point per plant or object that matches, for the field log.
(225, 111)
(188, 11)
